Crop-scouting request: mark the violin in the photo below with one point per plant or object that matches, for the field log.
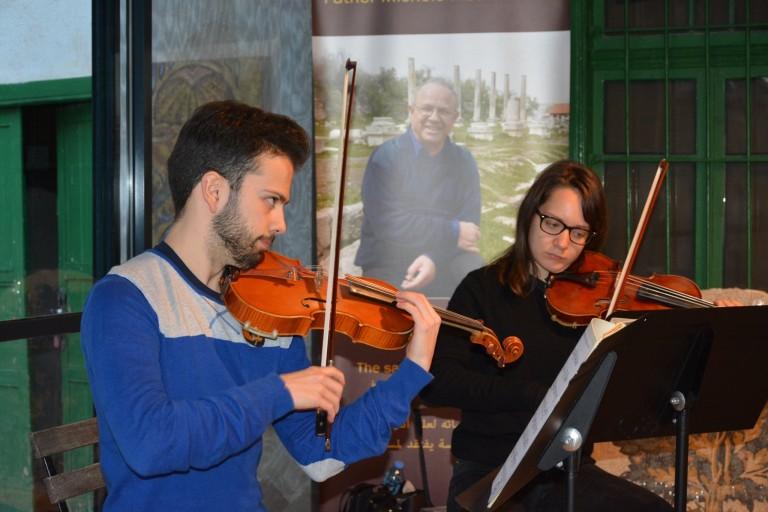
(584, 291)
(279, 297)
(599, 286)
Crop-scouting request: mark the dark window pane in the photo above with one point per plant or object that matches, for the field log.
(642, 14)
(41, 247)
(646, 116)
(616, 201)
(614, 117)
(759, 12)
(646, 13)
(682, 182)
(682, 104)
(759, 118)
(679, 15)
(651, 257)
(735, 126)
(735, 116)
(718, 12)
(653, 249)
(614, 14)
(723, 12)
(739, 11)
(700, 14)
(735, 264)
(760, 226)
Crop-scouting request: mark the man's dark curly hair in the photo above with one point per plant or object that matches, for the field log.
(227, 136)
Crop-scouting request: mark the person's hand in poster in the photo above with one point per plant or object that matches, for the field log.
(420, 273)
(469, 236)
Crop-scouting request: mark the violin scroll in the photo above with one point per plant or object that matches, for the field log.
(513, 348)
(504, 352)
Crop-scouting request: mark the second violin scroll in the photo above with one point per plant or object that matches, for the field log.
(279, 297)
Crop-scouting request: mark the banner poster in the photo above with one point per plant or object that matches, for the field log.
(458, 104)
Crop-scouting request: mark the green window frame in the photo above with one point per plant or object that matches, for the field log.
(710, 44)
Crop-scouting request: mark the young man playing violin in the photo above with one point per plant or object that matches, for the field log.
(562, 214)
(181, 398)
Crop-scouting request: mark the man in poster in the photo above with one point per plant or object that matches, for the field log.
(421, 201)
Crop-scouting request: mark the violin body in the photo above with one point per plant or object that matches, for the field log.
(279, 297)
(584, 292)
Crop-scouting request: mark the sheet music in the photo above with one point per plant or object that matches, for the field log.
(596, 331)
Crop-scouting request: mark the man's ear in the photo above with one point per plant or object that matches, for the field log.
(214, 189)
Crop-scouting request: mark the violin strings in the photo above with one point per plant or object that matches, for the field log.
(261, 273)
(454, 318)
(634, 285)
(669, 293)
(659, 292)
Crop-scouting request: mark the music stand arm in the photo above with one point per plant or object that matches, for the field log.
(680, 406)
(572, 466)
(565, 445)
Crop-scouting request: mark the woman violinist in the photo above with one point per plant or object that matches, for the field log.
(562, 214)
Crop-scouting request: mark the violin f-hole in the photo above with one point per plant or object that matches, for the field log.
(306, 300)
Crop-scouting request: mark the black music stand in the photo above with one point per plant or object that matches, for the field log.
(676, 372)
(565, 446)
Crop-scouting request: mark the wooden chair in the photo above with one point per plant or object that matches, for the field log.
(51, 441)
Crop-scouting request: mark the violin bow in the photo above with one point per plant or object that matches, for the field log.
(642, 225)
(322, 428)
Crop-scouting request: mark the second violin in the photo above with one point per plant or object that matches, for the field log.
(584, 292)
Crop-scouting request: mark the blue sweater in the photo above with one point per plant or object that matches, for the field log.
(183, 401)
(412, 204)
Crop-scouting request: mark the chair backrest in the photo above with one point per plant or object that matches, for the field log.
(52, 441)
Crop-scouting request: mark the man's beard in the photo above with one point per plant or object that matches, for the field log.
(238, 241)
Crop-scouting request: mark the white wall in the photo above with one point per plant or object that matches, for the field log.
(44, 40)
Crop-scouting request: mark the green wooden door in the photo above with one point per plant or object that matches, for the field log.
(75, 219)
(686, 81)
(15, 452)
(740, 175)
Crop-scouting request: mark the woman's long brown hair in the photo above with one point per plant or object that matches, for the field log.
(515, 267)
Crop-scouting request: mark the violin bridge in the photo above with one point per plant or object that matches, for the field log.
(319, 278)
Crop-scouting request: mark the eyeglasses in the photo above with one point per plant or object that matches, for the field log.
(428, 110)
(553, 226)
